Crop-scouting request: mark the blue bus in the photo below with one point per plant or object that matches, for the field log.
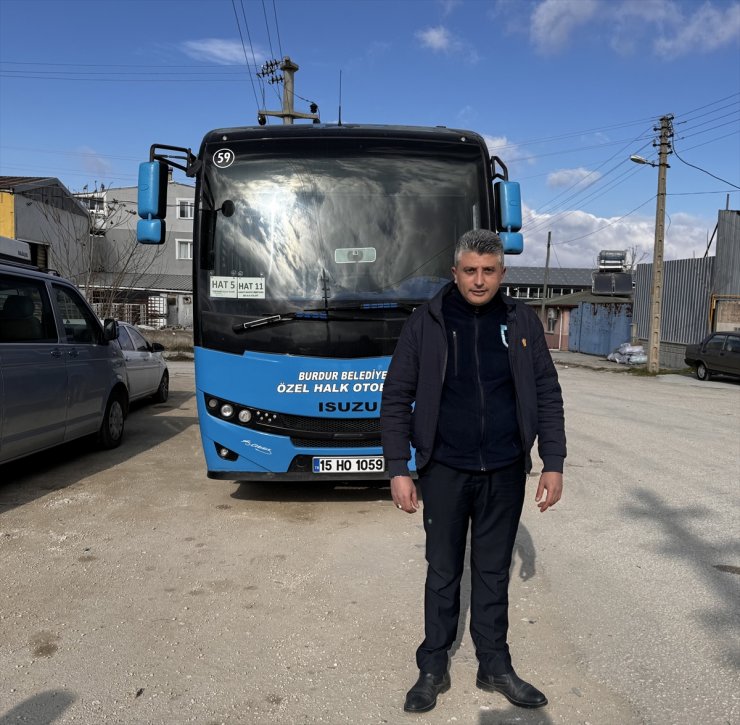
(312, 244)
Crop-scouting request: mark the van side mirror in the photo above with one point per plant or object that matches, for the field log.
(110, 329)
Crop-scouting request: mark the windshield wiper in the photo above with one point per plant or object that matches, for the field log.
(323, 314)
(283, 317)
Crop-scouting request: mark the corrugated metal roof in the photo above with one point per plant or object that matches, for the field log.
(148, 282)
(10, 182)
(584, 296)
(556, 277)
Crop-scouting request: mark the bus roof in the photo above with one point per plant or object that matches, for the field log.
(321, 130)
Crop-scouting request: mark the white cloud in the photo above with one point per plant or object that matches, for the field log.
(632, 24)
(437, 39)
(93, 163)
(441, 40)
(706, 30)
(501, 146)
(223, 52)
(448, 6)
(553, 22)
(572, 177)
(578, 237)
(511, 154)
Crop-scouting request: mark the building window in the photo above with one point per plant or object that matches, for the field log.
(184, 248)
(185, 208)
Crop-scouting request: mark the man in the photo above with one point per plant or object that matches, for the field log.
(470, 386)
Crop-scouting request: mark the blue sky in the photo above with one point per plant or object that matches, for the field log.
(563, 90)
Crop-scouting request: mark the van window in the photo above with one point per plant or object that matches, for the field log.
(25, 311)
(80, 325)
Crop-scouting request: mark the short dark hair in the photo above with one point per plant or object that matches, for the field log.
(480, 241)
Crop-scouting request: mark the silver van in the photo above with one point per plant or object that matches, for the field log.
(60, 376)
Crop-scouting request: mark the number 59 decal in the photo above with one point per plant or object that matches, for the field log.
(223, 158)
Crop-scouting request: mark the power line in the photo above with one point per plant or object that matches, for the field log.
(605, 226)
(244, 48)
(708, 113)
(698, 193)
(711, 140)
(267, 25)
(597, 180)
(709, 173)
(277, 28)
(712, 120)
(712, 103)
(254, 57)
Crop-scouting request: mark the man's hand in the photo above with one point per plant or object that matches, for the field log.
(403, 491)
(551, 482)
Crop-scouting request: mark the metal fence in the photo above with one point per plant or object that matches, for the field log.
(685, 307)
(134, 314)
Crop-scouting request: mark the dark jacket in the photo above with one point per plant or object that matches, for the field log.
(413, 387)
(477, 426)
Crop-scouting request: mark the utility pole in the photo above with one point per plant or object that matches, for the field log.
(547, 274)
(288, 114)
(656, 291)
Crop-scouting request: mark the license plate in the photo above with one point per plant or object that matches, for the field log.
(349, 464)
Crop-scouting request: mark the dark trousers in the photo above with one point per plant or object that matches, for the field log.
(492, 502)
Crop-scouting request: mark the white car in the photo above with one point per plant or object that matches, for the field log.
(146, 370)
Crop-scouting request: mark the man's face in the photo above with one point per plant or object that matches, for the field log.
(478, 276)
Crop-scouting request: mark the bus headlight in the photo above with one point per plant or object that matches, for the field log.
(227, 410)
(244, 416)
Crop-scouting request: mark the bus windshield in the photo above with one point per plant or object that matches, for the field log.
(359, 223)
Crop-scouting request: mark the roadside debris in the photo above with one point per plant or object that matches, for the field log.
(627, 354)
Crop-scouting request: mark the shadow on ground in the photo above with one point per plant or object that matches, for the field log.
(42, 709)
(146, 426)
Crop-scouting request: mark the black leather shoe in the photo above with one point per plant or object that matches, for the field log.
(423, 695)
(512, 687)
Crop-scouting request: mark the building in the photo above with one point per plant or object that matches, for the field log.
(527, 283)
(699, 295)
(142, 284)
(41, 211)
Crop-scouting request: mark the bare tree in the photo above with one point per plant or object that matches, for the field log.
(635, 255)
(92, 241)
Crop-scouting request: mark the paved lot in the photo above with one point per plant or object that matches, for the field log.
(135, 590)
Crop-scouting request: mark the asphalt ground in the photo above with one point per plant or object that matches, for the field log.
(135, 590)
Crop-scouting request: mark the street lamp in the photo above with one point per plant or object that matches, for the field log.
(641, 160)
(656, 291)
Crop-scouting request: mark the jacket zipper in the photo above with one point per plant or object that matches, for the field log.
(454, 350)
(481, 395)
(512, 361)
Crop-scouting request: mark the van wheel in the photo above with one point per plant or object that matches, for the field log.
(111, 429)
(163, 391)
(701, 372)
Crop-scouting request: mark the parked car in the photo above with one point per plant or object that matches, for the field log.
(146, 369)
(718, 353)
(61, 377)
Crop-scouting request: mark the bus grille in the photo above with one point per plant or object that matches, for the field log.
(328, 425)
(330, 443)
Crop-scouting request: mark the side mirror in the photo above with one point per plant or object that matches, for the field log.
(110, 329)
(152, 202)
(157, 347)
